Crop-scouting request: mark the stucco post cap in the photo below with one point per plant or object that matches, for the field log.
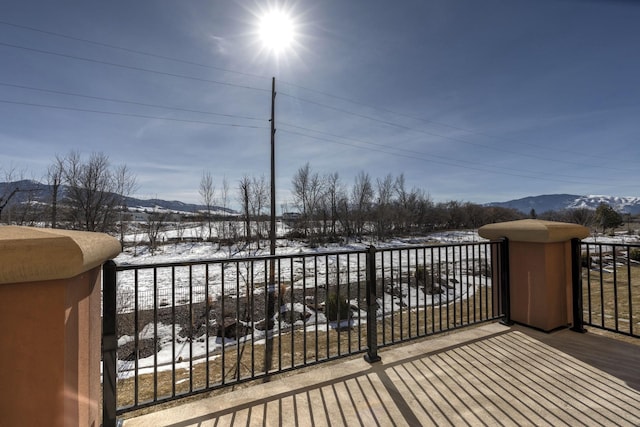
(534, 230)
(36, 254)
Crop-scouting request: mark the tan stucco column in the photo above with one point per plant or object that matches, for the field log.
(51, 325)
(539, 269)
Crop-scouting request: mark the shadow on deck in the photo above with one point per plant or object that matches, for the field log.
(488, 375)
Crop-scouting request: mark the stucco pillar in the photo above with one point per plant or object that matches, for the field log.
(50, 325)
(539, 269)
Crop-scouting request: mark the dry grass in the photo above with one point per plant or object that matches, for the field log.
(297, 349)
(604, 289)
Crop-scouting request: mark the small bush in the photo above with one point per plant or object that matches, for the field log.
(634, 254)
(337, 307)
(422, 275)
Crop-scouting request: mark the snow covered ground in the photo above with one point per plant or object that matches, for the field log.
(309, 268)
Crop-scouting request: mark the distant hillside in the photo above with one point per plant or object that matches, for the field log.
(558, 202)
(33, 191)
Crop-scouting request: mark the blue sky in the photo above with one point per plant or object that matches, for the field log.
(471, 100)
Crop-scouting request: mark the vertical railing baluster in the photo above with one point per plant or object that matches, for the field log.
(280, 300)
(237, 323)
(326, 299)
(615, 289)
(601, 286)
(629, 290)
(433, 284)
(391, 287)
(399, 285)
(359, 282)
(192, 332)
(207, 308)
(589, 284)
(372, 335)
(136, 339)
(173, 330)
(446, 269)
(576, 286)
(304, 303)
(292, 318)
(109, 344)
(424, 293)
(505, 282)
(338, 308)
(384, 305)
(222, 330)
(155, 333)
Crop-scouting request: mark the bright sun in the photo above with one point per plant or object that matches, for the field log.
(276, 30)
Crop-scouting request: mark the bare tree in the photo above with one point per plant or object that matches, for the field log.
(308, 190)
(95, 192)
(55, 175)
(9, 190)
(207, 193)
(333, 193)
(362, 199)
(223, 226)
(384, 208)
(258, 201)
(244, 189)
(154, 225)
(582, 216)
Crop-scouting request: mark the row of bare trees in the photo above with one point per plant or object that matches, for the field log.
(81, 193)
(328, 207)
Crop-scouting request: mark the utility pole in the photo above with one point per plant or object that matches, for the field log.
(271, 286)
(272, 246)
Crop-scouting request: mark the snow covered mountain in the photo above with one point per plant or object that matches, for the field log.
(33, 191)
(558, 202)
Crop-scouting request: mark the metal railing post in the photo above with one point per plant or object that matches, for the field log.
(109, 344)
(372, 327)
(576, 286)
(505, 284)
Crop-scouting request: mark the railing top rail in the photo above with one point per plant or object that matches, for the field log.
(264, 258)
(612, 244)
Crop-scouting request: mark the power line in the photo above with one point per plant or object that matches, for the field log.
(130, 67)
(122, 101)
(445, 158)
(451, 138)
(169, 58)
(449, 162)
(341, 110)
(114, 113)
(454, 127)
(164, 57)
(126, 49)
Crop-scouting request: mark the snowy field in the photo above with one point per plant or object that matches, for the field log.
(303, 269)
(462, 270)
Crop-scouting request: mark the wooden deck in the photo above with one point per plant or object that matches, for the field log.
(487, 375)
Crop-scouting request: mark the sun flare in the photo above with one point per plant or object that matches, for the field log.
(276, 30)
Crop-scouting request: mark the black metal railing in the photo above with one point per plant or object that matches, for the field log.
(610, 275)
(177, 329)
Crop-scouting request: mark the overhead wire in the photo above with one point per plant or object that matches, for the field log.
(386, 122)
(450, 162)
(126, 49)
(421, 119)
(341, 110)
(123, 101)
(417, 152)
(131, 67)
(115, 113)
(169, 58)
(451, 138)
